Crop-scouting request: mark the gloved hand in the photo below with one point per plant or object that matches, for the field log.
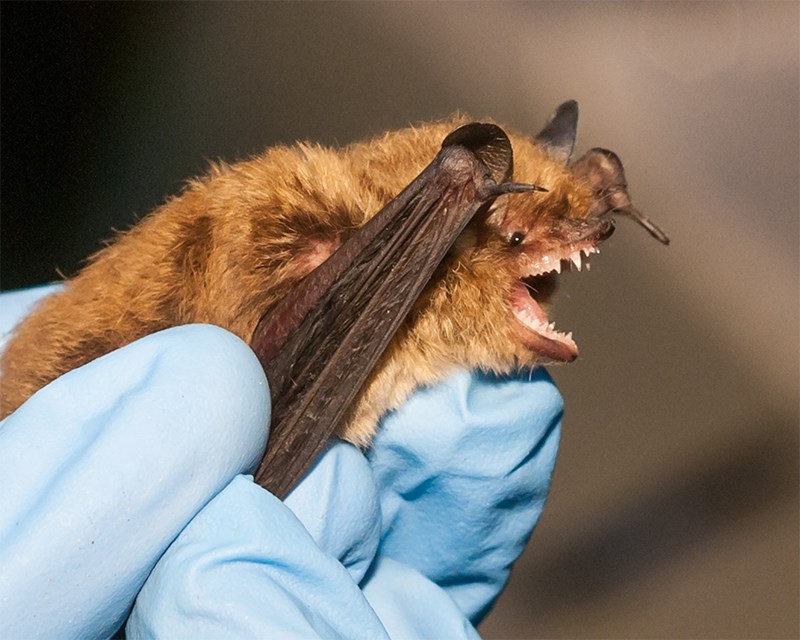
(121, 481)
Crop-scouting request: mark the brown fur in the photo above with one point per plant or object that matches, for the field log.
(237, 239)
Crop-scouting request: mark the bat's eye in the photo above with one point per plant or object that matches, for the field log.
(516, 238)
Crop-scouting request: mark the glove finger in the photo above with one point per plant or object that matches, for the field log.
(411, 606)
(246, 567)
(463, 470)
(103, 467)
(337, 502)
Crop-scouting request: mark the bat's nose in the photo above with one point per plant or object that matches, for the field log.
(606, 229)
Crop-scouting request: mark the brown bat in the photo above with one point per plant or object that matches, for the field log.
(348, 310)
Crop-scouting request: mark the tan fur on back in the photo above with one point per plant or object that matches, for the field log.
(237, 239)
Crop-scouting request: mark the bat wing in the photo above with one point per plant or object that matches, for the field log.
(320, 343)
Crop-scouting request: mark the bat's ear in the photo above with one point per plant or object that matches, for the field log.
(558, 136)
(602, 171)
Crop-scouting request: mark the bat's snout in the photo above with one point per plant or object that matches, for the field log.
(605, 231)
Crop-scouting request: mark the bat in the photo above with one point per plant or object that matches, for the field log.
(349, 310)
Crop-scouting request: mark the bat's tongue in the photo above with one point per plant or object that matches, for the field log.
(539, 335)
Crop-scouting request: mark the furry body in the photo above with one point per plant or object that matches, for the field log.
(236, 240)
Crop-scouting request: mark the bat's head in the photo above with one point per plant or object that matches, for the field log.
(494, 296)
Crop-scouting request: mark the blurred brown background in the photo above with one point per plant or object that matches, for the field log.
(674, 510)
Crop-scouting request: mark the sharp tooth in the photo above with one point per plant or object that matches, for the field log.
(576, 259)
(558, 267)
(551, 326)
(587, 265)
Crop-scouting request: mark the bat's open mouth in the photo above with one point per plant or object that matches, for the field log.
(538, 333)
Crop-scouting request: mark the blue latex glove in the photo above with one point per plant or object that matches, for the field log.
(121, 482)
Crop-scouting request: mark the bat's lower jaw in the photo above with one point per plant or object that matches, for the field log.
(534, 330)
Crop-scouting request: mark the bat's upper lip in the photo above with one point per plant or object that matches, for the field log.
(573, 255)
